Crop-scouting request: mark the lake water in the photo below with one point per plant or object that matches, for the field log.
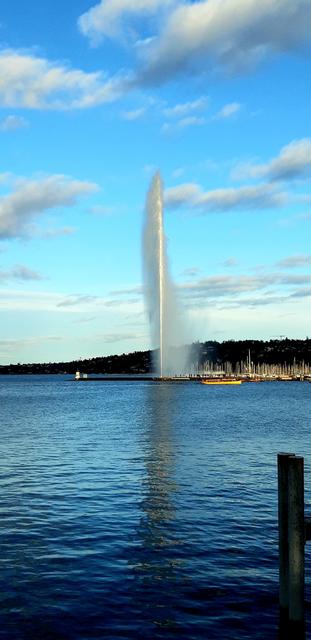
(143, 510)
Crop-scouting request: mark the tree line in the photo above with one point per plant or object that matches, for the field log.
(275, 351)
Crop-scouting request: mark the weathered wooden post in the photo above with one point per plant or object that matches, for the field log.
(292, 537)
(283, 532)
(296, 540)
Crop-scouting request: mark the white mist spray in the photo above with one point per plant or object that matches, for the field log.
(167, 331)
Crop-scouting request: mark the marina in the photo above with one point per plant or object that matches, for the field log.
(198, 378)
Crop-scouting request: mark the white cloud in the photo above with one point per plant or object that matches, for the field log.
(227, 111)
(183, 109)
(107, 18)
(304, 292)
(12, 345)
(100, 210)
(58, 305)
(109, 338)
(31, 198)
(190, 121)
(224, 290)
(133, 291)
(191, 272)
(229, 34)
(74, 300)
(184, 123)
(293, 161)
(56, 233)
(300, 260)
(16, 300)
(231, 290)
(257, 197)
(44, 301)
(185, 114)
(183, 195)
(230, 262)
(36, 83)
(134, 114)
(20, 272)
(12, 123)
(243, 198)
(177, 173)
(221, 285)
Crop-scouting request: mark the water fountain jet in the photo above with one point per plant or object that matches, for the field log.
(166, 323)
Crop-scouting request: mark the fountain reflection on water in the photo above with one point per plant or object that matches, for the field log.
(159, 560)
(166, 320)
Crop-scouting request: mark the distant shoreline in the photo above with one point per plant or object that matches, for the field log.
(286, 357)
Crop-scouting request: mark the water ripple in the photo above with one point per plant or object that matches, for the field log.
(143, 511)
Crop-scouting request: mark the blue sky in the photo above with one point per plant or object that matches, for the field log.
(94, 98)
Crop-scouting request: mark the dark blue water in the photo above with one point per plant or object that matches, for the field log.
(140, 510)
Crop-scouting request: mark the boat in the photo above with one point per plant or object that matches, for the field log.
(220, 381)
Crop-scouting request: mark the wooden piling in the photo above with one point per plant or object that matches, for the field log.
(294, 530)
(296, 539)
(283, 532)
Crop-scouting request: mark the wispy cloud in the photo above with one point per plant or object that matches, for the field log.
(190, 272)
(11, 345)
(227, 111)
(230, 262)
(31, 198)
(12, 123)
(220, 285)
(304, 292)
(296, 261)
(84, 320)
(56, 233)
(177, 173)
(184, 123)
(122, 303)
(102, 210)
(20, 272)
(109, 18)
(243, 198)
(110, 338)
(134, 114)
(190, 121)
(186, 108)
(228, 290)
(36, 83)
(131, 291)
(185, 194)
(74, 300)
(293, 162)
(21, 299)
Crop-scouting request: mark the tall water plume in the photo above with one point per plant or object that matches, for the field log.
(166, 322)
